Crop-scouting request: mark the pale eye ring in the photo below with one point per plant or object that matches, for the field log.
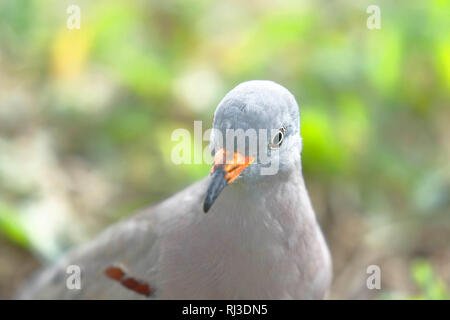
(277, 139)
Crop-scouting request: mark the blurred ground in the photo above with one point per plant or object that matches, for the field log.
(17, 264)
(86, 118)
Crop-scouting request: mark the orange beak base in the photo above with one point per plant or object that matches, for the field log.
(227, 168)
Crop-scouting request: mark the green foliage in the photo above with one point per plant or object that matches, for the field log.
(431, 287)
(11, 226)
(86, 116)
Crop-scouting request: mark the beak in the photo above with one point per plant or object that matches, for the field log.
(227, 167)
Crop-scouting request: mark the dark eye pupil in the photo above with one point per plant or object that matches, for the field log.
(278, 138)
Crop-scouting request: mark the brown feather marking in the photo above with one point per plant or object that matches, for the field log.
(137, 286)
(115, 273)
(118, 274)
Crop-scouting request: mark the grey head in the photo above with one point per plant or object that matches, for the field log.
(256, 135)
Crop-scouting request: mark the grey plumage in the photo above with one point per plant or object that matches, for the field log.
(259, 240)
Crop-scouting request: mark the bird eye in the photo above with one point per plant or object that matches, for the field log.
(277, 139)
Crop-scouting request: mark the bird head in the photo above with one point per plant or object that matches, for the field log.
(256, 135)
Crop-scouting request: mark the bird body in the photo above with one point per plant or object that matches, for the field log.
(259, 240)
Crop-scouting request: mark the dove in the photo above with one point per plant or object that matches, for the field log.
(246, 231)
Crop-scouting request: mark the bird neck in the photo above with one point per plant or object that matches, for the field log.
(274, 211)
(273, 197)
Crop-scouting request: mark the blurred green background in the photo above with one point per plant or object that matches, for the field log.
(86, 118)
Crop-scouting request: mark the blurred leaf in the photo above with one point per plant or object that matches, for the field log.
(431, 286)
(385, 56)
(127, 48)
(353, 123)
(321, 146)
(443, 61)
(70, 52)
(191, 171)
(128, 125)
(11, 226)
(281, 29)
